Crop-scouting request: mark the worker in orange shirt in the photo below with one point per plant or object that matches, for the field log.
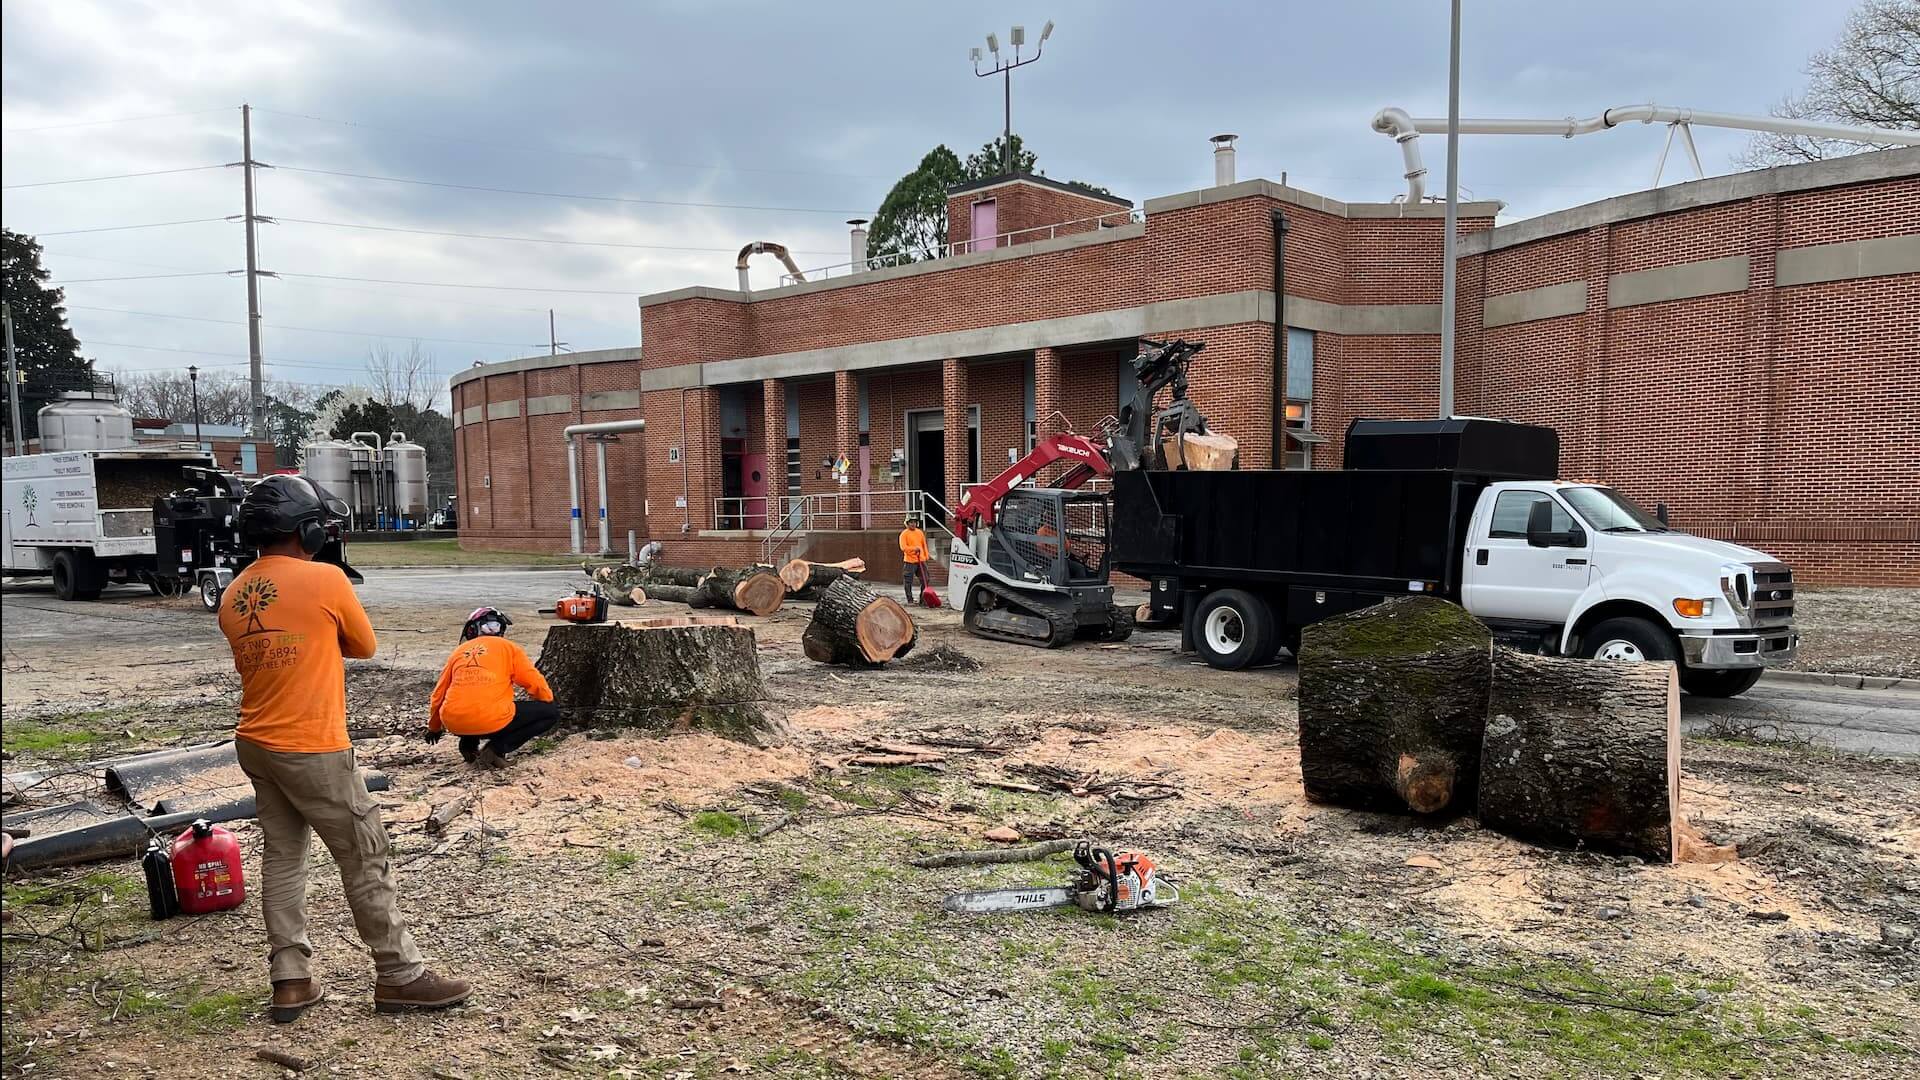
(291, 622)
(474, 696)
(913, 557)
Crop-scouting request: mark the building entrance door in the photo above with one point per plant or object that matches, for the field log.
(927, 451)
(753, 490)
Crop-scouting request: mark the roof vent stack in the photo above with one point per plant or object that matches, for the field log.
(1223, 159)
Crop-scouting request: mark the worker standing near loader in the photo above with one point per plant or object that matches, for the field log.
(913, 557)
(290, 622)
(474, 697)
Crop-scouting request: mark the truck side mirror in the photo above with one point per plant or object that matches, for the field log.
(1540, 524)
(1660, 512)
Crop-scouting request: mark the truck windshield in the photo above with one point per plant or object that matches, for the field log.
(1609, 511)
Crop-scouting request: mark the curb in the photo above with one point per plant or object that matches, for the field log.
(1842, 680)
(469, 568)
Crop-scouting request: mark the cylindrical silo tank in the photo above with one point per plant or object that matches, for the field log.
(329, 463)
(409, 463)
(84, 424)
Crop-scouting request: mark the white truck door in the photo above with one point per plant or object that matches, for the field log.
(1506, 578)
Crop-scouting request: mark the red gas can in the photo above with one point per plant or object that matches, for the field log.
(206, 869)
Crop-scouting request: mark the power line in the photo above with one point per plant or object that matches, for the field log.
(125, 228)
(550, 150)
(119, 120)
(114, 176)
(517, 239)
(304, 329)
(568, 195)
(461, 285)
(138, 277)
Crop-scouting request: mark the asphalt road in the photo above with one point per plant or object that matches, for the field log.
(1881, 721)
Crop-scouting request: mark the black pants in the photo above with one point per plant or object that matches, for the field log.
(531, 719)
(908, 572)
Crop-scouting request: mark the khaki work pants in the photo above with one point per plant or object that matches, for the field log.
(298, 794)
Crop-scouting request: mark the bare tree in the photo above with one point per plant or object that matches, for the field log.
(402, 377)
(225, 397)
(1869, 78)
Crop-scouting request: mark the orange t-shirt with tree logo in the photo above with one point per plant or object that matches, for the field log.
(291, 623)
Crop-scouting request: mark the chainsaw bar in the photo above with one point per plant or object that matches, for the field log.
(991, 901)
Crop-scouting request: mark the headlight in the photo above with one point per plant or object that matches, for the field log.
(1736, 584)
(1693, 609)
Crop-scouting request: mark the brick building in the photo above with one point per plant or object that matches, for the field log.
(1745, 349)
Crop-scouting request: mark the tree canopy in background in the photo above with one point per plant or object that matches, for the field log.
(911, 224)
(1869, 78)
(45, 349)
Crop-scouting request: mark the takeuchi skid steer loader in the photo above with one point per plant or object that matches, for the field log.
(1029, 564)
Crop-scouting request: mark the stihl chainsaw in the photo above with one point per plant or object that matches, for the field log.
(1109, 881)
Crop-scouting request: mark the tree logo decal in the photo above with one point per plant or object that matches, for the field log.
(254, 597)
(30, 499)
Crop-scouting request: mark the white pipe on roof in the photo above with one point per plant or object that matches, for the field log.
(1406, 130)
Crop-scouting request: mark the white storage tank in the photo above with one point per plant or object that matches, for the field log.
(85, 424)
(329, 463)
(409, 463)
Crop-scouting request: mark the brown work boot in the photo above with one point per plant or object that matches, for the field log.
(291, 997)
(489, 758)
(425, 993)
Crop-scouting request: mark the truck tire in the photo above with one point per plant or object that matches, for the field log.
(75, 577)
(1723, 683)
(1233, 629)
(1628, 638)
(210, 593)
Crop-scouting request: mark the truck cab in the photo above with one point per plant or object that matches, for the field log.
(1580, 570)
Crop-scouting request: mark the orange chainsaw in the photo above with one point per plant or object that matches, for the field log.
(1109, 881)
(582, 607)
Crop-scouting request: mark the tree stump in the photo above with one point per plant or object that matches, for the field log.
(1581, 753)
(660, 678)
(1201, 452)
(855, 626)
(1393, 704)
(754, 589)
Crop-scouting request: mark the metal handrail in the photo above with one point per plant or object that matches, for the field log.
(735, 508)
(999, 240)
(799, 513)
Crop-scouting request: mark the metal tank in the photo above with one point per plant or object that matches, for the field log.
(85, 424)
(329, 463)
(408, 493)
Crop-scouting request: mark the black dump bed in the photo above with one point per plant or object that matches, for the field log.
(1393, 518)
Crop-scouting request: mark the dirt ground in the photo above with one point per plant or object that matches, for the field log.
(1859, 631)
(685, 907)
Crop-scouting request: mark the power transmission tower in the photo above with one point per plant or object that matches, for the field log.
(253, 272)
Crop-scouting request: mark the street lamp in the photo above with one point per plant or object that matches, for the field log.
(193, 380)
(1004, 69)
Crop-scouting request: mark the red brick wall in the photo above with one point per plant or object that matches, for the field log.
(1027, 211)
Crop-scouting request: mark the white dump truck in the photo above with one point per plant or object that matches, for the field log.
(85, 517)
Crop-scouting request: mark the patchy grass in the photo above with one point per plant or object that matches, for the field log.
(91, 732)
(616, 860)
(719, 823)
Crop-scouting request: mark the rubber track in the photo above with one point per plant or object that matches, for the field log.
(1061, 622)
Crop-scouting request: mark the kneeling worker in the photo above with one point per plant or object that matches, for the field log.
(474, 697)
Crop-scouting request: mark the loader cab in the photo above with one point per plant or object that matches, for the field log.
(1049, 536)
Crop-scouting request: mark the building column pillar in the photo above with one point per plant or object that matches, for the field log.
(954, 398)
(773, 440)
(1048, 393)
(846, 415)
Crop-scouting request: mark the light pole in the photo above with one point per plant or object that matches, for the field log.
(193, 380)
(1004, 69)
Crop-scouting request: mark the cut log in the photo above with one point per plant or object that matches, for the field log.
(444, 814)
(668, 575)
(1201, 453)
(801, 575)
(855, 626)
(1583, 754)
(690, 595)
(754, 589)
(663, 679)
(1393, 704)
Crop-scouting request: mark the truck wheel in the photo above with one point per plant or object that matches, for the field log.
(75, 577)
(1731, 682)
(1233, 629)
(210, 593)
(1630, 639)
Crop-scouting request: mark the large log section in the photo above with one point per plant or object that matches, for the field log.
(660, 678)
(1393, 703)
(1585, 754)
(856, 626)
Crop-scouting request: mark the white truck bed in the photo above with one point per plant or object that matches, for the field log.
(54, 502)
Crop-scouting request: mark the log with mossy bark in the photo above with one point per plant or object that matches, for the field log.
(857, 627)
(661, 679)
(1583, 754)
(1393, 704)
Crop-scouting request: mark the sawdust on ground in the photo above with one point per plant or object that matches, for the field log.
(1211, 768)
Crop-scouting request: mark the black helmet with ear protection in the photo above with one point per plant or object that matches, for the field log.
(288, 505)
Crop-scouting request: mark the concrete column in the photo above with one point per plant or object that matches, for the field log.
(1757, 471)
(955, 397)
(1589, 431)
(773, 435)
(1049, 395)
(846, 416)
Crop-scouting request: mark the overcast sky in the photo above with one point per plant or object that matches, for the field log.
(808, 110)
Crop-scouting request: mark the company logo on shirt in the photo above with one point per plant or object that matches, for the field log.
(253, 598)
